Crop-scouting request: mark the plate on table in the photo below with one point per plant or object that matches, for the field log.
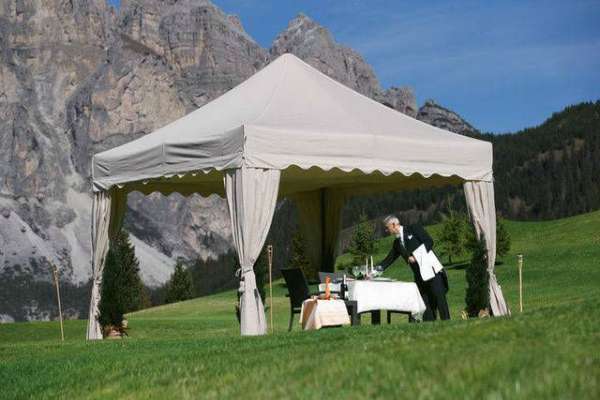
(382, 279)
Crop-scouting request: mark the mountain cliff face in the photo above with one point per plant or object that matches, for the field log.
(168, 59)
(78, 77)
(49, 49)
(315, 45)
(436, 115)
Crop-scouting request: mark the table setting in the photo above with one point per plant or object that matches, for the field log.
(363, 289)
(373, 292)
(326, 309)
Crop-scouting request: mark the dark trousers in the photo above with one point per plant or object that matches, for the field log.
(433, 293)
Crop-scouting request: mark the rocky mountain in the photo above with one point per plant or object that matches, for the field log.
(436, 115)
(78, 77)
(314, 44)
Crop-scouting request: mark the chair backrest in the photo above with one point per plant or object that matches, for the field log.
(334, 276)
(333, 288)
(297, 285)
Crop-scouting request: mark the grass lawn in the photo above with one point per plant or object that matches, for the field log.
(193, 349)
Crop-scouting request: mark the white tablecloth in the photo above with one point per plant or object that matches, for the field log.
(318, 313)
(391, 296)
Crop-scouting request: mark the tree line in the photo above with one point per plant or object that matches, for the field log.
(546, 172)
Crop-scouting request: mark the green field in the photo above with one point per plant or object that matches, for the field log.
(193, 350)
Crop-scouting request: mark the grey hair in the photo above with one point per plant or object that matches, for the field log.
(391, 219)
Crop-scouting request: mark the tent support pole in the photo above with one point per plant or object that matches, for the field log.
(270, 253)
(60, 318)
(327, 263)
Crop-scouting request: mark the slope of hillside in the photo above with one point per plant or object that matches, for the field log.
(551, 170)
(191, 348)
(545, 172)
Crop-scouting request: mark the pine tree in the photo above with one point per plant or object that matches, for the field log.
(112, 306)
(179, 286)
(130, 267)
(122, 288)
(477, 295)
(362, 243)
(502, 239)
(452, 238)
(298, 257)
(261, 271)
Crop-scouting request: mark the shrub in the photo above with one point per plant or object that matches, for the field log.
(502, 239)
(477, 293)
(298, 257)
(362, 243)
(122, 289)
(179, 286)
(453, 236)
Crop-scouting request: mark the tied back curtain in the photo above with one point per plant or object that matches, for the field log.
(108, 208)
(482, 209)
(251, 197)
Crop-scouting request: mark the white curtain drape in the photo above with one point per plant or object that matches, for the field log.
(320, 222)
(251, 196)
(482, 210)
(108, 208)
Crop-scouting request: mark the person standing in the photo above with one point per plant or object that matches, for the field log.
(431, 281)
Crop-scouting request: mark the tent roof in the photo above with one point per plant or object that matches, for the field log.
(290, 114)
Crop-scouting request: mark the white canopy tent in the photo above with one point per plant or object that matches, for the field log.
(289, 131)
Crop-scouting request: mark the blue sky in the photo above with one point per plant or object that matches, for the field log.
(502, 65)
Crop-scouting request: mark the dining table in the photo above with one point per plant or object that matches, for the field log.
(317, 313)
(375, 295)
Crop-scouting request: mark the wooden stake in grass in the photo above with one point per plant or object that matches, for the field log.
(520, 262)
(55, 273)
(270, 253)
